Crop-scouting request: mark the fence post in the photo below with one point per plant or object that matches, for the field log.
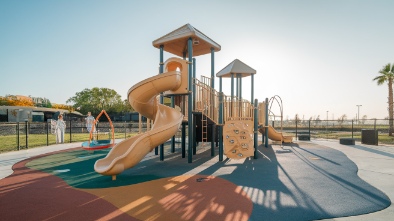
(296, 128)
(309, 129)
(27, 133)
(18, 136)
(124, 126)
(352, 129)
(70, 132)
(374, 124)
(47, 133)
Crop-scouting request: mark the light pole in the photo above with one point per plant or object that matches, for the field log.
(327, 125)
(358, 115)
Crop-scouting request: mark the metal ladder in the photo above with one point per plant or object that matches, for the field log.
(204, 128)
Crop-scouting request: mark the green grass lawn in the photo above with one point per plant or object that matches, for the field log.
(10, 143)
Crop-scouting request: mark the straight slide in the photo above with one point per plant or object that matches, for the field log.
(167, 120)
(275, 135)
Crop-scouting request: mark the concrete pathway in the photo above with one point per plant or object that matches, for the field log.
(375, 166)
(7, 160)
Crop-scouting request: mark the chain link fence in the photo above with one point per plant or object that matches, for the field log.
(335, 129)
(23, 135)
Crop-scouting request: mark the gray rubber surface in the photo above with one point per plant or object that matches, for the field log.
(303, 181)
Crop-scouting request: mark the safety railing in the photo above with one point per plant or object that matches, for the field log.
(237, 109)
(206, 100)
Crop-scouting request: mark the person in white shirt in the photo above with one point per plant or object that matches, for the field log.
(59, 129)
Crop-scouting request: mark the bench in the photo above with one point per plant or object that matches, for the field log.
(347, 141)
(304, 137)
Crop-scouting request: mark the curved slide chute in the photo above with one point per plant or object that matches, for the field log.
(167, 120)
(275, 135)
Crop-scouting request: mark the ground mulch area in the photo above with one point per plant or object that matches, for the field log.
(29, 194)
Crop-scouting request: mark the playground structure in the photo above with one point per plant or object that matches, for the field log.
(230, 121)
(272, 133)
(96, 144)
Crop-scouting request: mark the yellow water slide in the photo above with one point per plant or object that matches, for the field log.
(167, 120)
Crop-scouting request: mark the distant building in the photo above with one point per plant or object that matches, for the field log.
(40, 102)
(35, 114)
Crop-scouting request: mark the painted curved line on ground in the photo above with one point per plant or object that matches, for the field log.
(30, 194)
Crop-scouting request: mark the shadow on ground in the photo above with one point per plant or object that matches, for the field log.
(301, 181)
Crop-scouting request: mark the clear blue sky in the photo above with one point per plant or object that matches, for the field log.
(317, 55)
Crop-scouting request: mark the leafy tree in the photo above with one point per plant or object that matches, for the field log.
(13, 100)
(387, 75)
(97, 99)
(3, 101)
(48, 104)
(63, 107)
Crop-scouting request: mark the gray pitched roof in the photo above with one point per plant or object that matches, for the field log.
(175, 42)
(236, 67)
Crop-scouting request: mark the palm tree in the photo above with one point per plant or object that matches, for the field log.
(387, 75)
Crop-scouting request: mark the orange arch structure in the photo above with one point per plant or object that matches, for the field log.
(99, 144)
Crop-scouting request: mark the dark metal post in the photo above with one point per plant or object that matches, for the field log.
(190, 102)
(240, 87)
(193, 83)
(161, 97)
(213, 138)
(220, 133)
(239, 94)
(266, 122)
(374, 124)
(232, 94)
(352, 129)
(236, 86)
(70, 132)
(124, 126)
(18, 136)
(193, 106)
(252, 91)
(255, 129)
(309, 128)
(27, 133)
(173, 137)
(183, 140)
(296, 120)
(194, 134)
(212, 84)
(47, 133)
(213, 68)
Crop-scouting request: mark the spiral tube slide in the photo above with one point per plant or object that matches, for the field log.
(167, 120)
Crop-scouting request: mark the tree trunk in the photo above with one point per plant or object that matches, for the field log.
(391, 107)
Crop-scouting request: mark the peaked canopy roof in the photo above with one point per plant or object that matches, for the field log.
(236, 67)
(175, 42)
